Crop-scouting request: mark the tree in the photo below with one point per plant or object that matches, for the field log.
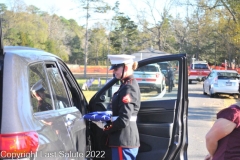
(24, 40)
(159, 25)
(98, 40)
(3, 8)
(77, 55)
(123, 38)
(232, 6)
(97, 6)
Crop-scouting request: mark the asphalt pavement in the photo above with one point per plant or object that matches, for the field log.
(201, 116)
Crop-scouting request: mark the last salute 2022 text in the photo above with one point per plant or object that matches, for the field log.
(88, 154)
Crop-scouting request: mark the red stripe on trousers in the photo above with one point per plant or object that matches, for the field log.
(120, 153)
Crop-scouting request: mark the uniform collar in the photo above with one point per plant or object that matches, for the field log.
(127, 79)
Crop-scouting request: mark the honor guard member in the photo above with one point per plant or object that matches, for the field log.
(170, 78)
(123, 132)
(38, 92)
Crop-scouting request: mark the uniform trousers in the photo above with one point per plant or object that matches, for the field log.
(119, 153)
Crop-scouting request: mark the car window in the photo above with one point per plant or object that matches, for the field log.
(155, 85)
(199, 66)
(40, 95)
(211, 74)
(227, 74)
(57, 86)
(76, 96)
(148, 68)
(163, 66)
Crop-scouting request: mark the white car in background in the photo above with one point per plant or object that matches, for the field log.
(150, 77)
(222, 82)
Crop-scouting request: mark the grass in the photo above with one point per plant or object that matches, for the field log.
(95, 82)
(92, 89)
(229, 101)
(89, 94)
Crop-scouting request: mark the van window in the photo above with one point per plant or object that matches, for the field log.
(40, 96)
(163, 66)
(199, 66)
(153, 85)
(227, 75)
(149, 68)
(58, 89)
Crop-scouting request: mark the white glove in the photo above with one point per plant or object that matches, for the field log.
(100, 124)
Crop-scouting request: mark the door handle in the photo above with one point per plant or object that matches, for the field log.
(69, 122)
(69, 119)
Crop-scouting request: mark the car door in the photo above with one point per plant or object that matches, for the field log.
(53, 134)
(73, 119)
(63, 134)
(162, 119)
(205, 84)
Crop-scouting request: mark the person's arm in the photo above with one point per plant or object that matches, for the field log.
(221, 128)
(125, 109)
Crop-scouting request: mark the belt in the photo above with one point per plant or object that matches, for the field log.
(133, 118)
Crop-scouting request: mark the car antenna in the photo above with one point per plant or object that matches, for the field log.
(1, 38)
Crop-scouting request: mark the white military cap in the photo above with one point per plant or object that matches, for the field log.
(120, 60)
(37, 87)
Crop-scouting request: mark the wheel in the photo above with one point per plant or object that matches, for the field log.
(190, 81)
(159, 90)
(163, 85)
(235, 96)
(204, 91)
(210, 92)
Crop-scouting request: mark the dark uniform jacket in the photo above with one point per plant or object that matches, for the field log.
(125, 103)
(170, 74)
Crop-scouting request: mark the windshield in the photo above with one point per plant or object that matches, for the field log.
(147, 69)
(227, 74)
(199, 66)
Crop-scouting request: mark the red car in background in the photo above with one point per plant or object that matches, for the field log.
(197, 71)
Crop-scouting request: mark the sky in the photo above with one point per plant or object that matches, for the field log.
(70, 9)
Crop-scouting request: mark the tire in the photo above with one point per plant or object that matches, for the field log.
(163, 85)
(159, 90)
(204, 91)
(235, 96)
(210, 93)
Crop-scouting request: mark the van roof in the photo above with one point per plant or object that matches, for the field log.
(202, 62)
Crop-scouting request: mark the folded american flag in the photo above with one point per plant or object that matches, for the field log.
(98, 116)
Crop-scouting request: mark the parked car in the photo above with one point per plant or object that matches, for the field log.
(31, 78)
(164, 67)
(197, 71)
(150, 77)
(221, 82)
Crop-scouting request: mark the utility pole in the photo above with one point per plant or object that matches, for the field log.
(108, 54)
(86, 43)
(215, 55)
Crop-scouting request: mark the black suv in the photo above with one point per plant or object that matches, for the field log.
(42, 108)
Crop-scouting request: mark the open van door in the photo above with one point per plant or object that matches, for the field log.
(162, 119)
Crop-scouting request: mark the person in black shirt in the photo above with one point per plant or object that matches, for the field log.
(123, 131)
(38, 92)
(170, 78)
